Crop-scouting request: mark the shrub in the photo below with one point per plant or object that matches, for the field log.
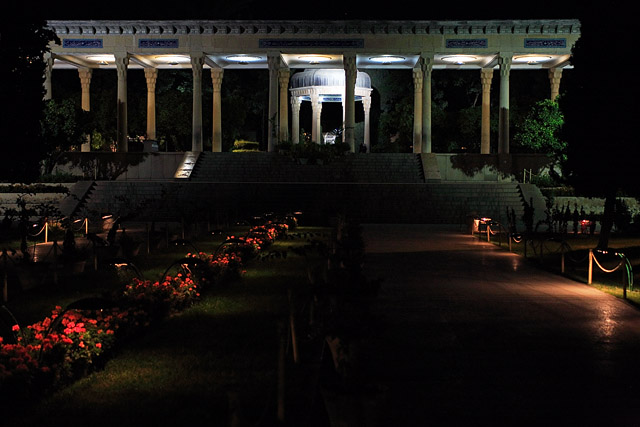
(242, 146)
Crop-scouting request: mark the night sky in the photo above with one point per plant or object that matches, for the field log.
(301, 9)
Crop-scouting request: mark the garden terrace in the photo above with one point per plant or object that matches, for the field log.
(435, 203)
(234, 322)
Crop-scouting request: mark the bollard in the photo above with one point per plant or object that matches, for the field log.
(292, 326)
(590, 275)
(281, 373)
(55, 262)
(5, 284)
(625, 279)
(146, 226)
(562, 262)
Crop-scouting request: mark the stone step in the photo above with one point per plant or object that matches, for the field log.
(430, 203)
(272, 167)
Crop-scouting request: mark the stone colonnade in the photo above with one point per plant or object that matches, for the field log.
(422, 75)
(278, 107)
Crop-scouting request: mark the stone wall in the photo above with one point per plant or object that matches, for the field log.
(488, 167)
(8, 201)
(122, 166)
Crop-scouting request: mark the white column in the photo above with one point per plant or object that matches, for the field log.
(351, 73)
(486, 75)
(505, 69)
(295, 119)
(555, 74)
(343, 103)
(427, 66)
(85, 83)
(151, 76)
(417, 109)
(316, 110)
(273, 60)
(366, 104)
(197, 61)
(283, 80)
(216, 139)
(122, 61)
(48, 92)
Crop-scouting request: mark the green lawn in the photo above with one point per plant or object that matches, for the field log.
(222, 351)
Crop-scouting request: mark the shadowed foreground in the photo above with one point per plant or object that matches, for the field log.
(472, 333)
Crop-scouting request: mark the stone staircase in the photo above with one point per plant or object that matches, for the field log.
(366, 187)
(273, 167)
(444, 203)
(75, 201)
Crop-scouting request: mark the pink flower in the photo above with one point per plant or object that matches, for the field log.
(15, 328)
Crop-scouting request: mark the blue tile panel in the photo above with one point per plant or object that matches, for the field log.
(92, 43)
(534, 43)
(466, 43)
(158, 43)
(287, 43)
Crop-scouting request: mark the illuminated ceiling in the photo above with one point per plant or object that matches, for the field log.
(307, 60)
(315, 44)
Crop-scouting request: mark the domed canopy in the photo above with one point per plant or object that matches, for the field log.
(327, 77)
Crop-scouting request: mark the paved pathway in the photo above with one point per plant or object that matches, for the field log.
(474, 335)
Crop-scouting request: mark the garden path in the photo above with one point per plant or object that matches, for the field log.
(470, 333)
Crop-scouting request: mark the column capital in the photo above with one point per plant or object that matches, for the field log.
(274, 61)
(197, 62)
(349, 62)
(486, 76)
(366, 102)
(121, 59)
(426, 62)
(151, 75)
(85, 76)
(122, 62)
(283, 77)
(418, 78)
(197, 59)
(555, 75)
(504, 61)
(216, 77)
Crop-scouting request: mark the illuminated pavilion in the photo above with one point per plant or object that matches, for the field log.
(321, 48)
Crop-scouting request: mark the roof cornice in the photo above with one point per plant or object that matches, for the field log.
(195, 27)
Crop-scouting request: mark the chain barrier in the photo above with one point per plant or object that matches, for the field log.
(566, 252)
(44, 227)
(83, 225)
(627, 276)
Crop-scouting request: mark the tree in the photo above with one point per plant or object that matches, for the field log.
(23, 42)
(600, 114)
(64, 127)
(540, 130)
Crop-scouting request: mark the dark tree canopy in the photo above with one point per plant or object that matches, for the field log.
(22, 45)
(600, 114)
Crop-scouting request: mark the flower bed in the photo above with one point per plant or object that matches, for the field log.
(69, 343)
